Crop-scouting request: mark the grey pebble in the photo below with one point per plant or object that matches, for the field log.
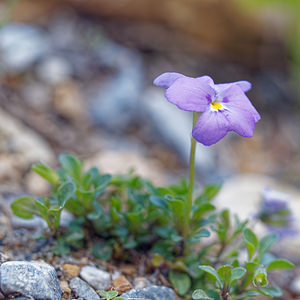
(82, 289)
(32, 279)
(152, 293)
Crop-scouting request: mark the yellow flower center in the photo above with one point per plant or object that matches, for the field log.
(216, 105)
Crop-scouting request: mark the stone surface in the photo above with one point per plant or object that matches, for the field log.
(140, 283)
(35, 279)
(242, 195)
(95, 277)
(20, 46)
(122, 160)
(71, 270)
(19, 148)
(54, 69)
(152, 293)
(295, 285)
(121, 284)
(82, 289)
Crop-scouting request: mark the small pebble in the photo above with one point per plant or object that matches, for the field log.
(70, 271)
(95, 277)
(121, 285)
(82, 289)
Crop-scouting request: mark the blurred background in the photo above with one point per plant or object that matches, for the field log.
(77, 76)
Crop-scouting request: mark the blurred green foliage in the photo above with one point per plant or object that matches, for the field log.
(291, 9)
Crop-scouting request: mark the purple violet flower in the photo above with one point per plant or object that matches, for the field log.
(276, 213)
(224, 107)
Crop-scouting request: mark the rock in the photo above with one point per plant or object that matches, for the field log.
(71, 271)
(295, 285)
(34, 223)
(165, 118)
(140, 283)
(35, 184)
(65, 289)
(123, 160)
(95, 277)
(82, 289)
(115, 103)
(36, 94)
(20, 46)
(54, 69)
(243, 194)
(152, 293)
(35, 279)
(19, 148)
(121, 284)
(67, 101)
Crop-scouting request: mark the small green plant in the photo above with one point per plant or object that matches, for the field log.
(119, 214)
(111, 295)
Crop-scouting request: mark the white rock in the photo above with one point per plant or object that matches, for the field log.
(95, 277)
(242, 196)
(20, 147)
(54, 69)
(21, 45)
(295, 285)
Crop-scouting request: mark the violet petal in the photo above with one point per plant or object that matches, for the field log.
(192, 94)
(211, 127)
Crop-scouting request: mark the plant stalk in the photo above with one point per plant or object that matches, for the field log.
(186, 227)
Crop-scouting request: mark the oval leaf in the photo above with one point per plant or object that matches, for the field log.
(238, 273)
(213, 272)
(71, 164)
(65, 192)
(47, 173)
(266, 242)
(200, 294)
(272, 292)
(25, 207)
(251, 241)
(280, 264)
(180, 281)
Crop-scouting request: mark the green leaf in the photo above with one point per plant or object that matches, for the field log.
(266, 242)
(260, 277)
(272, 292)
(65, 192)
(61, 248)
(238, 273)
(198, 235)
(102, 181)
(25, 207)
(102, 252)
(213, 272)
(89, 178)
(177, 207)
(249, 294)
(159, 202)
(97, 213)
(47, 173)
(211, 191)
(109, 295)
(225, 216)
(201, 210)
(200, 294)
(71, 164)
(251, 241)
(181, 282)
(280, 264)
(213, 294)
(225, 272)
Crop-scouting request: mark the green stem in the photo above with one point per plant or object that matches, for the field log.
(189, 202)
